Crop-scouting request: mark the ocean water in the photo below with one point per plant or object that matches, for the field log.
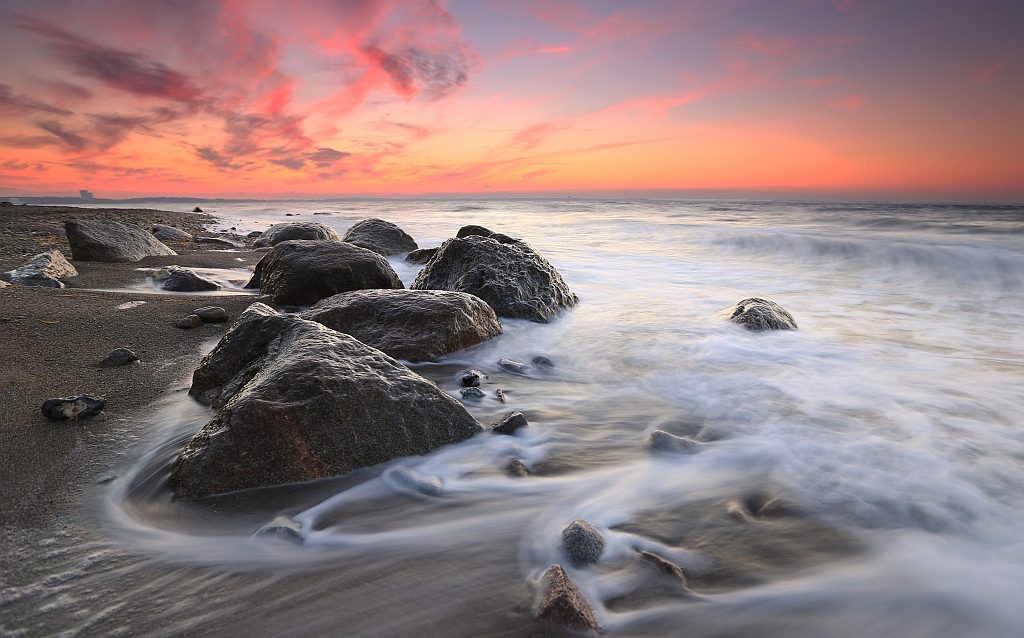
(886, 436)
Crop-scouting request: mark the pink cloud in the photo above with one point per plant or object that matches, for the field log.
(851, 104)
(984, 75)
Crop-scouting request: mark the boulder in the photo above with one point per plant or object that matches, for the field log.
(74, 408)
(45, 269)
(219, 243)
(184, 280)
(421, 256)
(509, 423)
(197, 210)
(298, 401)
(211, 314)
(383, 238)
(562, 603)
(473, 229)
(296, 230)
(169, 233)
(759, 314)
(101, 240)
(119, 357)
(470, 378)
(415, 325)
(582, 543)
(302, 272)
(514, 279)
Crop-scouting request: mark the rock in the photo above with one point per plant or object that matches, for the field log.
(509, 423)
(737, 511)
(99, 240)
(74, 408)
(511, 365)
(184, 280)
(254, 234)
(515, 467)
(191, 321)
(169, 233)
(665, 442)
(298, 401)
(563, 604)
(664, 566)
(301, 273)
(3, 284)
(162, 273)
(6, 204)
(472, 393)
(504, 239)
(211, 314)
(582, 543)
(296, 230)
(43, 270)
(282, 528)
(514, 279)
(759, 314)
(197, 210)
(473, 229)
(542, 361)
(427, 485)
(470, 378)
(500, 394)
(383, 238)
(221, 243)
(415, 325)
(420, 256)
(119, 357)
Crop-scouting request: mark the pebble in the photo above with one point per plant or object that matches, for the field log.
(191, 321)
(211, 314)
(119, 357)
(582, 543)
(509, 423)
(74, 408)
(471, 393)
(516, 467)
(512, 365)
(664, 566)
(500, 394)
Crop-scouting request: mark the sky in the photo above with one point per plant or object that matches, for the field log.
(796, 99)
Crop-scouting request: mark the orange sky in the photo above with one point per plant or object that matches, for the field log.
(845, 99)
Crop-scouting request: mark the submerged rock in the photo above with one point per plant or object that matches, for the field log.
(296, 230)
(516, 467)
(185, 280)
(169, 233)
(119, 357)
(382, 237)
(426, 485)
(472, 393)
(421, 256)
(298, 401)
(666, 442)
(543, 362)
(509, 423)
(582, 543)
(282, 528)
(759, 314)
(74, 408)
(470, 378)
(664, 566)
(301, 273)
(415, 325)
(514, 279)
(500, 394)
(99, 240)
(45, 269)
(563, 604)
(511, 365)
(211, 314)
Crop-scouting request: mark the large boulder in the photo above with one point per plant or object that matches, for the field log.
(45, 269)
(296, 230)
(562, 603)
(298, 401)
(101, 240)
(185, 280)
(383, 238)
(759, 314)
(513, 278)
(301, 272)
(416, 325)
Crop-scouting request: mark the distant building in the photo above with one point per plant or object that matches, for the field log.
(86, 195)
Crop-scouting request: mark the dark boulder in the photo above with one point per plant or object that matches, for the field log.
(383, 238)
(184, 280)
(74, 408)
(296, 230)
(254, 234)
(509, 423)
(562, 603)
(513, 278)
(473, 229)
(543, 362)
(300, 273)
(219, 243)
(197, 210)
(119, 357)
(298, 401)
(45, 269)
(100, 240)
(582, 543)
(759, 314)
(169, 233)
(421, 256)
(470, 378)
(415, 325)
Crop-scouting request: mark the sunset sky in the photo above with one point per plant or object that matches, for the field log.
(833, 99)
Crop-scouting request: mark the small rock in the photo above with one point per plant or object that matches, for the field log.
(289, 215)
(184, 280)
(515, 467)
(541, 360)
(737, 511)
(197, 210)
(471, 393)
(169, 233)
(421, 255)
(119, 357)
(759, 315)
(74, 408)
(500, 394)
(473, 229)
(665, 442)
(427, 485)
(563, 604)
(211, 314)
(282, 528)
(509, 423)
(3, 284)
(511, 365)
(665, 566)
(582, 543)
(470, 378)
(43, 270)
(191, 321)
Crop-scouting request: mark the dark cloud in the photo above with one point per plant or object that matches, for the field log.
(325, 157)
(12, 103)
(293, 163)
(436, 73)
(70, 139)
(215, 157)
(29, 141)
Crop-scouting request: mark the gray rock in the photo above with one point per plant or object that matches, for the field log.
(184, 280)
(500, 394)
(509, 423)
(298, 401)
(99, 240)
(282, 528)
(470, 378)
(296, 230)
(197, 210)
(511, 365)
(45, 269)
(472, 393)
(415, 325)
(664, 566)
(211, 314)
(220, 243)
(514, 279)
(119, 357)
(254, 234)
(301, 273)
(427, 485)
(582, 543)
(473, 229)
(759, 314)
(516, 467)
(562, 603)
(74, 408)
(665, 442)
(191, 321)
(421, 256)
(383, 238)
(543, 362)
(169, 233)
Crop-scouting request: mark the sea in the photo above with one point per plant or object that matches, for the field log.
(860, 476)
